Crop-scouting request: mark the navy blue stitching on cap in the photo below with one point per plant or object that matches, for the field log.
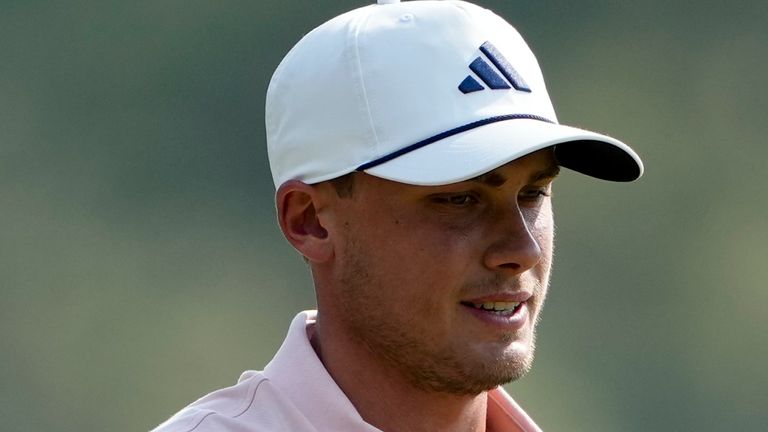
(470, 85)
(446, 134)
(488, 75)
(504, 66)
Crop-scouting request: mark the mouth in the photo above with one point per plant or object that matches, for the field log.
(501, 308)
(507, 312)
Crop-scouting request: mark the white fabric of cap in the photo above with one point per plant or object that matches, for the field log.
(477, 151)
(383, 77)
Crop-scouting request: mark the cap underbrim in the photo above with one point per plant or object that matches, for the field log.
(476, 151)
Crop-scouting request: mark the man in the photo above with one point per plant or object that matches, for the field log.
(413, 146)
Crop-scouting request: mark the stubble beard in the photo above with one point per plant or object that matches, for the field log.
(400, 348)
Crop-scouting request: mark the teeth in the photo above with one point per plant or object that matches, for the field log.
(496, 306)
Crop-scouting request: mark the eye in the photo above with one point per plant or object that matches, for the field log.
(457, 199)
(535, 193)
(462, 200)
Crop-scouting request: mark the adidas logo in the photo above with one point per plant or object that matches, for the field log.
(491, 76)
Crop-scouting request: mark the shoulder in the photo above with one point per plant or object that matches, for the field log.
(251, 405)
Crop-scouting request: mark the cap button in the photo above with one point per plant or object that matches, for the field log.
(387, 1)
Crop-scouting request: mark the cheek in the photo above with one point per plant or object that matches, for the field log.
(413, 259)
(544, 232)
(542, 228)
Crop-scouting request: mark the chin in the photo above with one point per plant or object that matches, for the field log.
(487, 379)
(472, 376)
(512, 364)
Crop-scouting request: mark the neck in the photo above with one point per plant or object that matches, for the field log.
(384, 398)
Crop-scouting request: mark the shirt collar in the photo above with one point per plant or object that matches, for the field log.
(298, 373)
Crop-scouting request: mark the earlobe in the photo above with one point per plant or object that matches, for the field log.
(297, 214)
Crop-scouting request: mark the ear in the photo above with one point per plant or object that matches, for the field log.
(297, 214)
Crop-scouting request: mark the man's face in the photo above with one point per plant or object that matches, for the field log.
(445, 283)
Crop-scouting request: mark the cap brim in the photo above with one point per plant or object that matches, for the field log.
(476, 151)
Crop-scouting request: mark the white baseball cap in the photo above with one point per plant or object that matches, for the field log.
(421, 92)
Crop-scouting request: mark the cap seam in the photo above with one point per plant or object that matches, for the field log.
(442, 135)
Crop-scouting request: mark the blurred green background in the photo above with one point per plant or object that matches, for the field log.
(140, 265)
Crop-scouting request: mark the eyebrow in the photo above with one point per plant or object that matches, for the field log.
(546, 174)
(495, 179)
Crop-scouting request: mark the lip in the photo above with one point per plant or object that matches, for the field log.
(517, 320)
(520, 297)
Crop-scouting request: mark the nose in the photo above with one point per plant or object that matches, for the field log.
(514, 248)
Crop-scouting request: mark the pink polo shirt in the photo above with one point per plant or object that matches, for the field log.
(295, 393)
